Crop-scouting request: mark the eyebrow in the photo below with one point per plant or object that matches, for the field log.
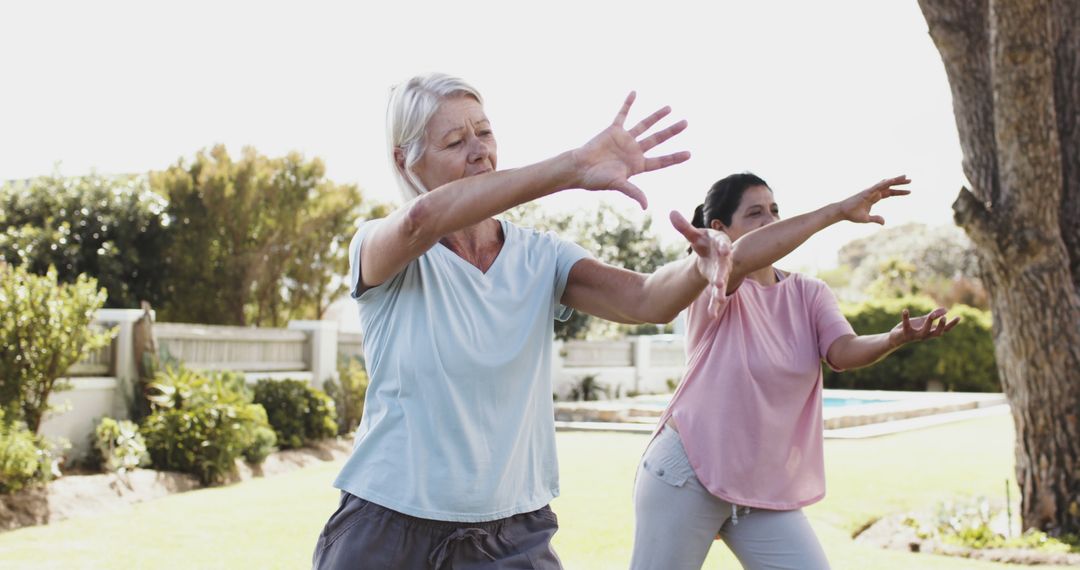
(450, 131)
(453, 130)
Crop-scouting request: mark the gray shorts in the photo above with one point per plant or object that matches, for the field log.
(362, 535)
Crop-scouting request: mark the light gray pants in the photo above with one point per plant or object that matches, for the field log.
(677, 520)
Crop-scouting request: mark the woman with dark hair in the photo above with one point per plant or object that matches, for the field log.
(738, 451)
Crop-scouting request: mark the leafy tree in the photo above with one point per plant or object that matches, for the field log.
(938, 261)
(113, 229)
(613, 237)
(1014, 70)
(895, 279)
(256, 240)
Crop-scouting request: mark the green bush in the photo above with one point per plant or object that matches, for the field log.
(25, 457)
(962, 359)
(201, 423)
(44, 329)
(299, 413)
(118, 446)
(349, 394)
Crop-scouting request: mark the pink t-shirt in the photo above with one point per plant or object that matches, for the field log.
(748, 410)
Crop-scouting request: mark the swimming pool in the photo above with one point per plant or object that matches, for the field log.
(834, 402)
(841, 408)
(829, 401)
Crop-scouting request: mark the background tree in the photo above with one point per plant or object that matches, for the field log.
(941, 259)
(255, 241)
(113, 229)
(613, 237)
(1014, 70)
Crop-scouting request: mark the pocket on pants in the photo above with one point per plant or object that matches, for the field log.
(666, 460)
(349, 513)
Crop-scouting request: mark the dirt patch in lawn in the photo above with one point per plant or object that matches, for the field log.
(74, 496)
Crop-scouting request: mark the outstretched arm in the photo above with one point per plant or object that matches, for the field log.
(849, 352)
(625, 296)
(765, 246)
(606, 162)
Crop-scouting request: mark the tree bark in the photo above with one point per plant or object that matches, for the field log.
(1013, 69)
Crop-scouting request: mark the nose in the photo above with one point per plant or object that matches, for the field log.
(478, 150)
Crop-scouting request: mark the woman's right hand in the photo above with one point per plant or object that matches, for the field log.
(713, 258)
(609, 160)
(857, 208)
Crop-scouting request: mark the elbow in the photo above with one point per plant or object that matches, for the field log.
(664, 318)
(739, 267)
(417, 222)
(657, 315)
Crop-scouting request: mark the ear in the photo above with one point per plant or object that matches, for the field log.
(717, 225)
(399, 157)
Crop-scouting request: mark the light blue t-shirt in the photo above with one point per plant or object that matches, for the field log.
(458, 422)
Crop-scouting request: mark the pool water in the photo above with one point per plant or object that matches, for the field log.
(841, 402)
(828, 402)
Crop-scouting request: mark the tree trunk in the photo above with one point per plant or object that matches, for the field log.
(1013, 69)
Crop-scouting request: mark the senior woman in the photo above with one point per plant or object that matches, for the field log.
(454, 463)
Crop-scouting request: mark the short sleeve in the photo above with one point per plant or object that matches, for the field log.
(568, 254)
(829, 322)
(356, 289)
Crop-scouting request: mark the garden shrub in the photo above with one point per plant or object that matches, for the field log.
(118, 446)
(588, 389)
(44, 329)
(201, 423)
(962, 359)
(349, 393)
(969, 522)
(299, 413)
(25, 457)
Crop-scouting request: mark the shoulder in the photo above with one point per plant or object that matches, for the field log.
(809, 288)
(363, 228)
(531, 237)
(524, 232)
(808, 282)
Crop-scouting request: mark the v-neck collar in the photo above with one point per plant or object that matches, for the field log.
(498, 257)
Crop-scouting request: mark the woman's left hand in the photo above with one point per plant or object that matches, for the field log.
(611, 158)
(713, 250)
(857, 208)
(920, 328)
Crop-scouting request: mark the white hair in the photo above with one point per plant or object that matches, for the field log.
(412, 104)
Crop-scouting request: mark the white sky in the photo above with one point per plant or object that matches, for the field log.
(820, 99)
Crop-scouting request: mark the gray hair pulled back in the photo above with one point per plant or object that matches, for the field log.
(412, 104)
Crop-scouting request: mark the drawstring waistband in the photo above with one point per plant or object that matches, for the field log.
(735, 513)
(441, 553)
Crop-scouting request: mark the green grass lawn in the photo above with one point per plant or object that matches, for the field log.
(273, 523)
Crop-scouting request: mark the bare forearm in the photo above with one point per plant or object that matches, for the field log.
(858, 351)
(470, 200)
(764, 246)
(410, 231)
(624, 296)
(669, 290)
